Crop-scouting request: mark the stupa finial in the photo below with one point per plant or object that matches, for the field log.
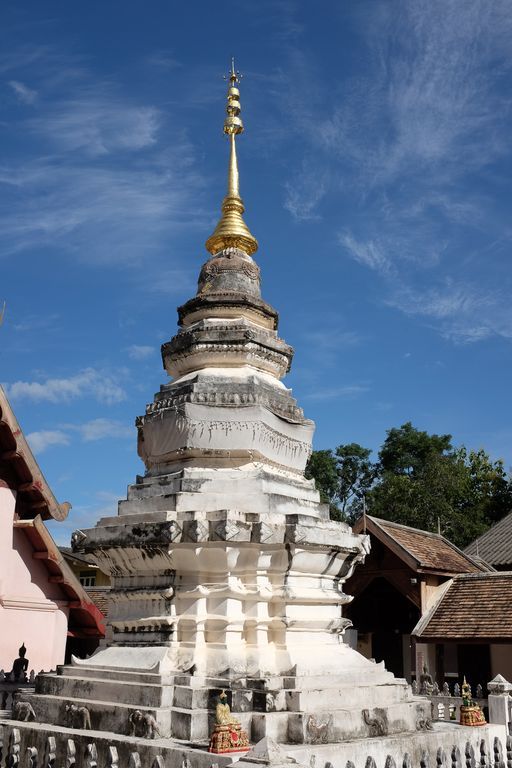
(232, 229)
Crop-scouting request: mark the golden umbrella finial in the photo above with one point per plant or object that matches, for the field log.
(232, 229)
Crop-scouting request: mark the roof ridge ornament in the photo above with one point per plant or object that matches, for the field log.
(232, 231)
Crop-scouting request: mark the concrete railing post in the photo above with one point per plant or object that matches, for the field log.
(499, 701)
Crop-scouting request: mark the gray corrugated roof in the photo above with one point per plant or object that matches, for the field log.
(495, 545)
(70, 555)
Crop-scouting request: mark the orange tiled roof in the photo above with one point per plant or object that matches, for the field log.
(473, 607)
(99, 596)
(430, 550)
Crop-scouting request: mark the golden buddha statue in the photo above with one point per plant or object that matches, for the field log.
(228, 735)
(470, 712)
(223, 714)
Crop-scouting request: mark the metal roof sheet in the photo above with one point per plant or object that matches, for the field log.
(495, 545)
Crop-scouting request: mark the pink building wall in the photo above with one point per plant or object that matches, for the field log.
(32, 610)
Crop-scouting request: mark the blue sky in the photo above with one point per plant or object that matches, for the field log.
(375, 169)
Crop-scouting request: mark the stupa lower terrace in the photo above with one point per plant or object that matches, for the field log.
(227, 572)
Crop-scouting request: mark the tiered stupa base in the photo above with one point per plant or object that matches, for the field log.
(225, 598)
(287, 709)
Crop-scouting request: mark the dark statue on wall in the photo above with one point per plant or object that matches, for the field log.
(20, 666)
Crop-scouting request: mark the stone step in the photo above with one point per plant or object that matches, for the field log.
(231, 481)
(371, 721)
(343, 697)
(191, 725)
(110, 690)
(163, 503)
(191, 698)
(113, 716)
(105, 673)
(372, 675)
(263, 503)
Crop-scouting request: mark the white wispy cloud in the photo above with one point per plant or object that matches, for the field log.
(163, 60)
(172, 281)
(88, 383)
(101, 171)
(124, 212)
(467, 334)
(140, 352)
(460, 309)
(332, 393)
(305, 191)
(24, 57)
(450, 300)
(462, 313)
(45, 438)
(88, 432)
(97, 124)
(369, 253)
(428, 100)
(405, 137)
(24, 94)
(29, 323)
(332, 338)
(326, 345)
(101, 429)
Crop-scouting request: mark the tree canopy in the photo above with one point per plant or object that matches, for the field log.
(343, 478)
(419, 479)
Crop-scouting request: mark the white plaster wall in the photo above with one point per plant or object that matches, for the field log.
(30, 607)
(249, 428)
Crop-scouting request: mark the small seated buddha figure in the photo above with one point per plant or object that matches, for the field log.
(20, 666)
(470, 712)
(227, 735)
(426, 682)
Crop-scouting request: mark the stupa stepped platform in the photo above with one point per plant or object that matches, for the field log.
(252, 479)
(287, 709)
(165, 526)
(236, 387)
(255, 489)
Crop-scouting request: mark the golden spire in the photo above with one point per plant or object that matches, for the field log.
(232, 229)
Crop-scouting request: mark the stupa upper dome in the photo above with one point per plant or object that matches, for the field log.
(230, 271)
(226, 405)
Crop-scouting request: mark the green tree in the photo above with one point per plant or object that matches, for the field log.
(420, 480)
(406, 449)
(426, 483)
(491, 487)
(322, 468)
(342, 477)
(356, 473)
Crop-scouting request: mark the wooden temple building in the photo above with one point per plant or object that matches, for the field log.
(401, 583)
